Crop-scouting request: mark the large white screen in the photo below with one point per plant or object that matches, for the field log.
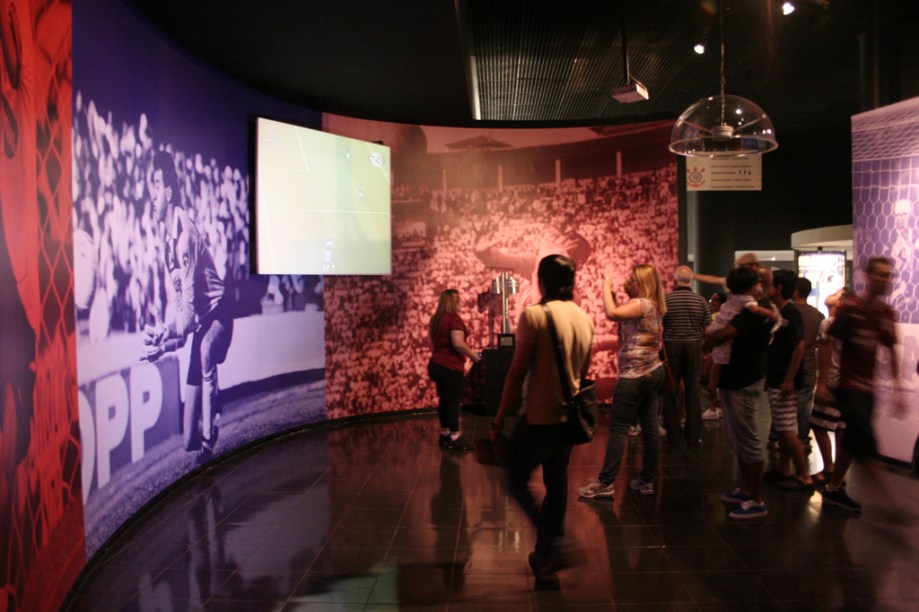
(322, 202)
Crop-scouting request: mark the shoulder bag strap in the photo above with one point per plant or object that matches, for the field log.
(559, 356)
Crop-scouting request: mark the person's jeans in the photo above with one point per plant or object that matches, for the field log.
(686, 361)
(534, 446)
(449, 385)
(634, 397)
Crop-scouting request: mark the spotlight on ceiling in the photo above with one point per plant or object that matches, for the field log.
(699, 48)
(788, 8)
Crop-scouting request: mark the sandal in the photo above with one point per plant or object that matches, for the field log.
(821, 478)
(796, 484)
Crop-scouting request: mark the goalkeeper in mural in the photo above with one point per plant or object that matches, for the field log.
(197, 305)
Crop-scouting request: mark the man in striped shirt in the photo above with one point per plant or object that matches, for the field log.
(687, 317)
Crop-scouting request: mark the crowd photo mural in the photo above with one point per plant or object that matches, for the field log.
(470, 204)
(184, 354)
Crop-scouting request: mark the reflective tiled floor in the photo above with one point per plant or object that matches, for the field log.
(375, 516)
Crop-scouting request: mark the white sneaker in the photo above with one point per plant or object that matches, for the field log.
(634, 430)
(711, 414)
(595, 488)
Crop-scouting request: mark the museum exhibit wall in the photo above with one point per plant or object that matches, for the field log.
(92, 420)
(885, 222)
(94, 424)
(142, 416)
(468, 205)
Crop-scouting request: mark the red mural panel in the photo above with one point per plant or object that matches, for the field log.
(40, 509)
(470, 204)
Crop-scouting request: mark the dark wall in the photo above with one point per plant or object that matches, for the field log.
(806, 184)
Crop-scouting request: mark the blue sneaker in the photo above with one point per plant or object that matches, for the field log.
(749, 510)
(736, 497)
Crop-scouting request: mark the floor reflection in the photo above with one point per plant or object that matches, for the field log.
(376, 516)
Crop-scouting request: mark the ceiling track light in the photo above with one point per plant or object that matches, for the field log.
(633, 90)
(788, 8)
(723, 125)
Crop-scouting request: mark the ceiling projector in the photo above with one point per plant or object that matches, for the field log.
(633, 92)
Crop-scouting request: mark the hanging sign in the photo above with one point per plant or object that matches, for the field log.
(724, 173)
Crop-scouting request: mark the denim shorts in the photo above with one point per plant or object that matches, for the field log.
(742, 422)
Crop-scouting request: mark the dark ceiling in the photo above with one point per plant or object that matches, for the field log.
(542, 62)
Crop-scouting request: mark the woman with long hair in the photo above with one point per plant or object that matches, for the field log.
(640, 377)
(447, 365)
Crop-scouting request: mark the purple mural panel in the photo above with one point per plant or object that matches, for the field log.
(183, 354)
(885, 222)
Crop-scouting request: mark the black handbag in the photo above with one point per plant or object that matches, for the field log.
(583, 407)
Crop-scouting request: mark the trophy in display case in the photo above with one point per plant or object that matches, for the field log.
(504, 285)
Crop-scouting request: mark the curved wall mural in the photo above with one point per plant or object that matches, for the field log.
(138, 345)
(183, 354)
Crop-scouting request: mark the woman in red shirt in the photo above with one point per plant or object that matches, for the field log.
(446, 367)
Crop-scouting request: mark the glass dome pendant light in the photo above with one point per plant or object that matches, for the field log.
(723, 126)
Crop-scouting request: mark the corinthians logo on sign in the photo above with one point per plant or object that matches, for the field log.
(695, 176)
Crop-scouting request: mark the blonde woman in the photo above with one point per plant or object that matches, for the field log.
(640, 377)
(447, 365)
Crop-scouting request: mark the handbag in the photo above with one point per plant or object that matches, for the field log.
(583, 408)
(670, 382)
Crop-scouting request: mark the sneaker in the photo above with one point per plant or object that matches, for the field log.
(458, 444)
(737, 497)
(645, 488)
(634, 430)
(710, 414)
(595, 488)
(839, 498)
(749, 510)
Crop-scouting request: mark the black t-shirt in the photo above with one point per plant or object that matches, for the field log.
(784, 341)
(748, 352)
